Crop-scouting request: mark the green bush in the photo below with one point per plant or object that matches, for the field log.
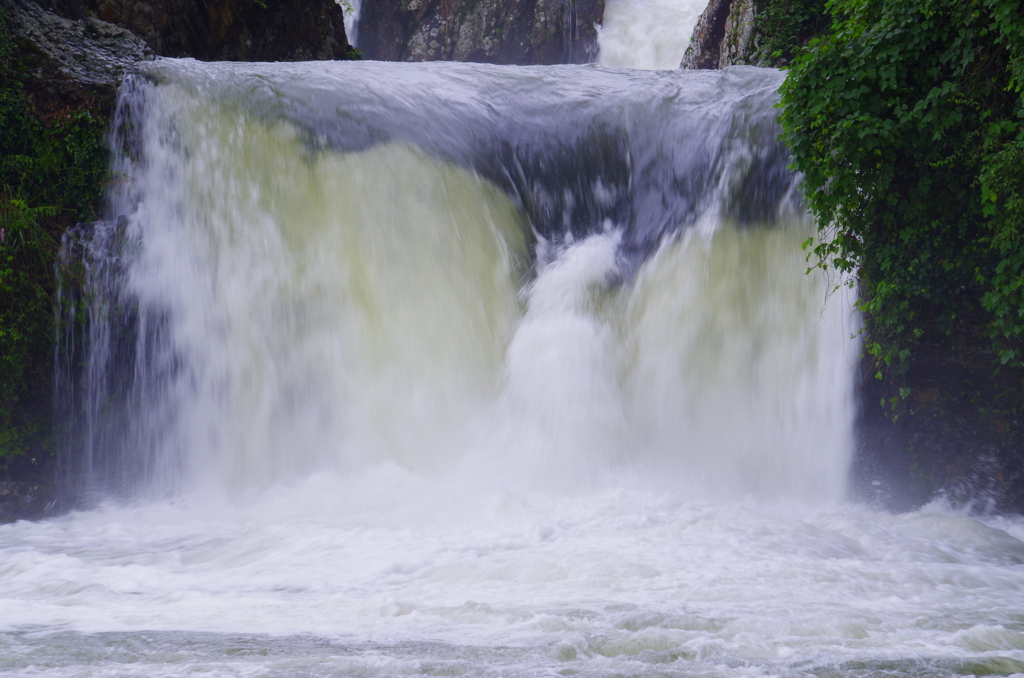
(784, 27)
(907, 124)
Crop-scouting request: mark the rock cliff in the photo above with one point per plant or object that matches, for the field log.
(724, 36)
(69, 62)
(492, 31)
(232, 30)
(754, 32)
(77, 51)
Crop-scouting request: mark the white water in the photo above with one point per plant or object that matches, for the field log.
(647, 34)
(377, 438)
(387, 574)
(351, 12)
(338, 310)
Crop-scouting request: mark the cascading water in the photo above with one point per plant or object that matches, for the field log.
(457, 369)
(351, 12)
(328, 301)
(647, 34)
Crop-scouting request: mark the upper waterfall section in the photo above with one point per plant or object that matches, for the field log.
(647, 34)
(579, 149)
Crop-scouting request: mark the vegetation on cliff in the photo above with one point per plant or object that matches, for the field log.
(52, 173)
(906, 121)
(783, 27)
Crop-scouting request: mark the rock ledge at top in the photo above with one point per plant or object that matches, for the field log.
(231, 30)
(78, 51)
(68, 61)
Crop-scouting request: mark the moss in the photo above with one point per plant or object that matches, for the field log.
(52, 174)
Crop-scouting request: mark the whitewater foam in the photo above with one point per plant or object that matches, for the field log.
(647, 34)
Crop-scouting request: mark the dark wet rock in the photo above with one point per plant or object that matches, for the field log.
(73, 57)
(738, 46)
(706, 40)
(27, 490)
(210, 30)
(232, 30)
(724, 36)
(488, 31)
(938, 441)
(70, 62)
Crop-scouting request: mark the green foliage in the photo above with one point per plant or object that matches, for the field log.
(784, 27)
(51, 175)
(907, 124)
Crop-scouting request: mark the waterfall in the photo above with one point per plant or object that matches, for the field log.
(647, 34)
(555, 276)
(351, 11)
(387, 369)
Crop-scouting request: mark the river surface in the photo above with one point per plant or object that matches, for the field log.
(389, 575)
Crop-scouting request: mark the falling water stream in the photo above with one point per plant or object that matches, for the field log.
(455, 369)
(647, 34)
(350, 10)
